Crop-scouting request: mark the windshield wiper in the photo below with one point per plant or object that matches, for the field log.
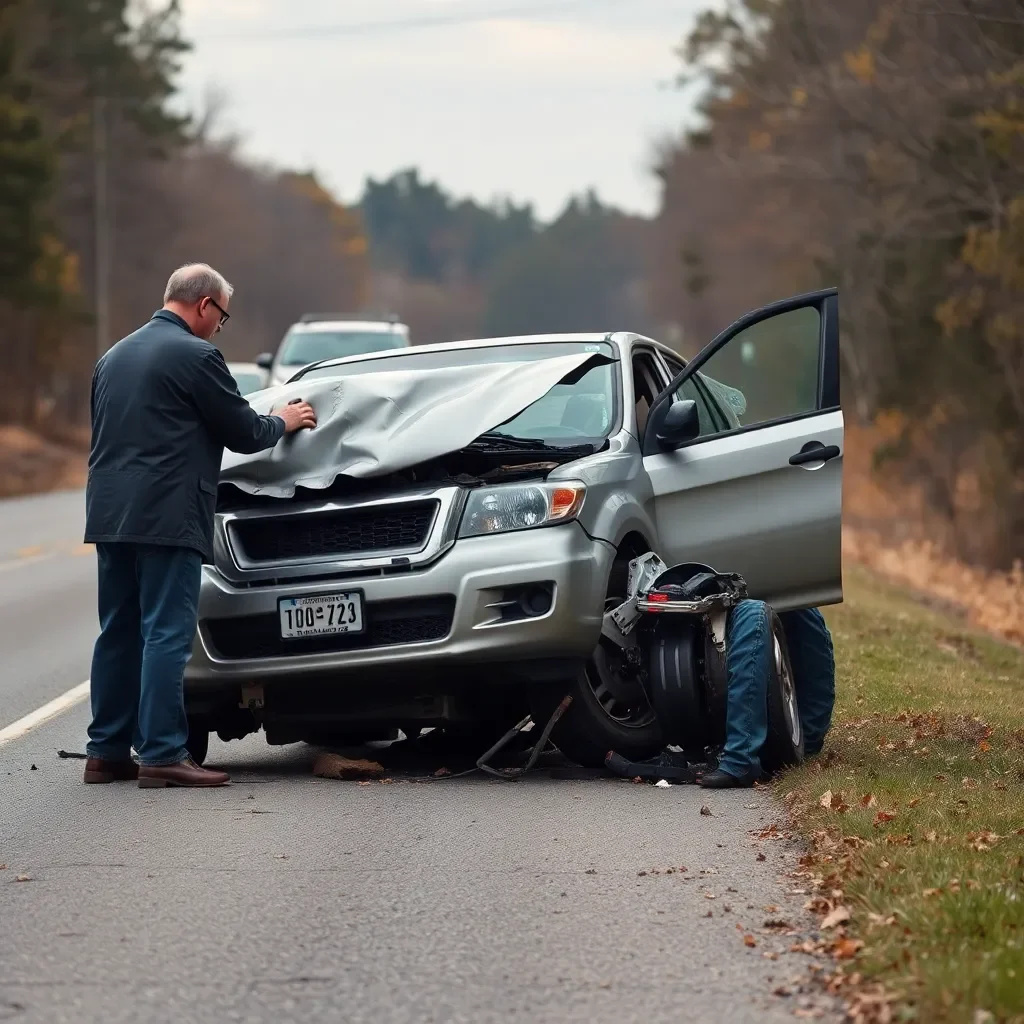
(496, 441)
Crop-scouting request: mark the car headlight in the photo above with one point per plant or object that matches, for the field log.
(520, 507)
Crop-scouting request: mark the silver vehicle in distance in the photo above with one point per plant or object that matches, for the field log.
(441, 550)
(319, 336)
(249, 377)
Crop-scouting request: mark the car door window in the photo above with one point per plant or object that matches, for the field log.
(646, 386)
(709, 417)
(767, 372)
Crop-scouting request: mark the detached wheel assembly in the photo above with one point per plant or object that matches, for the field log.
(688, 687)
(676, 685)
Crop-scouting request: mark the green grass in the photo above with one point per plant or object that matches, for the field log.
(929, 729)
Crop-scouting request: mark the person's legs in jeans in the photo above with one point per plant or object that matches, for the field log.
(117, 655)
(748, 665)
(169, 588)
(814, 672)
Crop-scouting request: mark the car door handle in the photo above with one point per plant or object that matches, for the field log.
(814, 451)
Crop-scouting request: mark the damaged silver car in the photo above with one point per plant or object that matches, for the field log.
(442, 549)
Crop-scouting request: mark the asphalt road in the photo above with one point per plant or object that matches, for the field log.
(286, 897)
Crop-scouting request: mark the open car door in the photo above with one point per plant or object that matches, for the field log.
(744, 451)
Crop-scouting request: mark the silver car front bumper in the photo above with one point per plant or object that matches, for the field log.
(472, 580)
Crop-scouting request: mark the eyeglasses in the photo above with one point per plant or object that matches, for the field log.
(224, 316)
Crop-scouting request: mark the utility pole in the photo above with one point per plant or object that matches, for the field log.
(101, 224)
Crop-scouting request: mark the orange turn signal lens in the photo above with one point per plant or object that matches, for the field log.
(566, 501)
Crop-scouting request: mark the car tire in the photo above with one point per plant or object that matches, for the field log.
(198, 742)
(676, 684)
(585, 733)
(589, 729)
(784, 747)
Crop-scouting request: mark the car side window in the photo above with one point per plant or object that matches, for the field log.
(766, 372)
(646, 387)
(706, 415)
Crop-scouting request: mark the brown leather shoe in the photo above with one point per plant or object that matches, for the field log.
(99, 771)
(184, 773)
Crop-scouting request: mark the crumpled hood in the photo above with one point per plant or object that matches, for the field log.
(373, 424)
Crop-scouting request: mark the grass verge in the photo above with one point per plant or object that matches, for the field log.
(915, 814)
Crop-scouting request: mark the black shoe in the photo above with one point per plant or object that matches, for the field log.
(719, 779)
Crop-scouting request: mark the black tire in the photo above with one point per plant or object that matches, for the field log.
(198, 742)
(610, 709)
(586, 733)
(676, 683)
(784, 747)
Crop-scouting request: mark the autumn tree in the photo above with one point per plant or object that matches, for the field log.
(876, 146)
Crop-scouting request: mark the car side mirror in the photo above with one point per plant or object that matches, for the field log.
(679, 425)
(265, 361)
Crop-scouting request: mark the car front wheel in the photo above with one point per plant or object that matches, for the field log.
(610, 710)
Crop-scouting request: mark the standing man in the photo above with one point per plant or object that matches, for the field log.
(164, 408)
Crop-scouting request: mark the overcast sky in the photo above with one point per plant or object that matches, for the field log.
(533, 99)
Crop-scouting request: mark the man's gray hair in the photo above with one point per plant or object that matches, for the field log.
(188, 284)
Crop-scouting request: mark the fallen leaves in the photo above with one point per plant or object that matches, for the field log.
(882, 817)
(868, 800)
(969, 729)
(835, 802)
(870, 1006)
(749, 940)
(760, 856)
(706, 811)
(846, 949)
(836, 917)
(23, 878)
(982, 841)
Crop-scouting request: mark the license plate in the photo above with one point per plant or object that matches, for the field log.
(321, 615)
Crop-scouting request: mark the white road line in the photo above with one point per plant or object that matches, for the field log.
(55, 707)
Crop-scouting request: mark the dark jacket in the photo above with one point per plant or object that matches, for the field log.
(164, 408)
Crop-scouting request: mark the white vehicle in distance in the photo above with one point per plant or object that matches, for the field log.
(249, 377)
(319, 336)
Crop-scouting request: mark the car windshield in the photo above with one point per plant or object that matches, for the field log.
(248, 382)
(300, 348)
(569, 414)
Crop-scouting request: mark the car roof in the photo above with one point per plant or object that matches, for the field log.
(346, 326)
(622, 341)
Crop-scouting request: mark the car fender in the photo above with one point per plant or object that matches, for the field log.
(620, 498)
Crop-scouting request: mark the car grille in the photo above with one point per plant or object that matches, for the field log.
(388, 623)
(337, 533)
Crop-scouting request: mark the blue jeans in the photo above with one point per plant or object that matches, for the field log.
(749, 666)
(148, 608)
